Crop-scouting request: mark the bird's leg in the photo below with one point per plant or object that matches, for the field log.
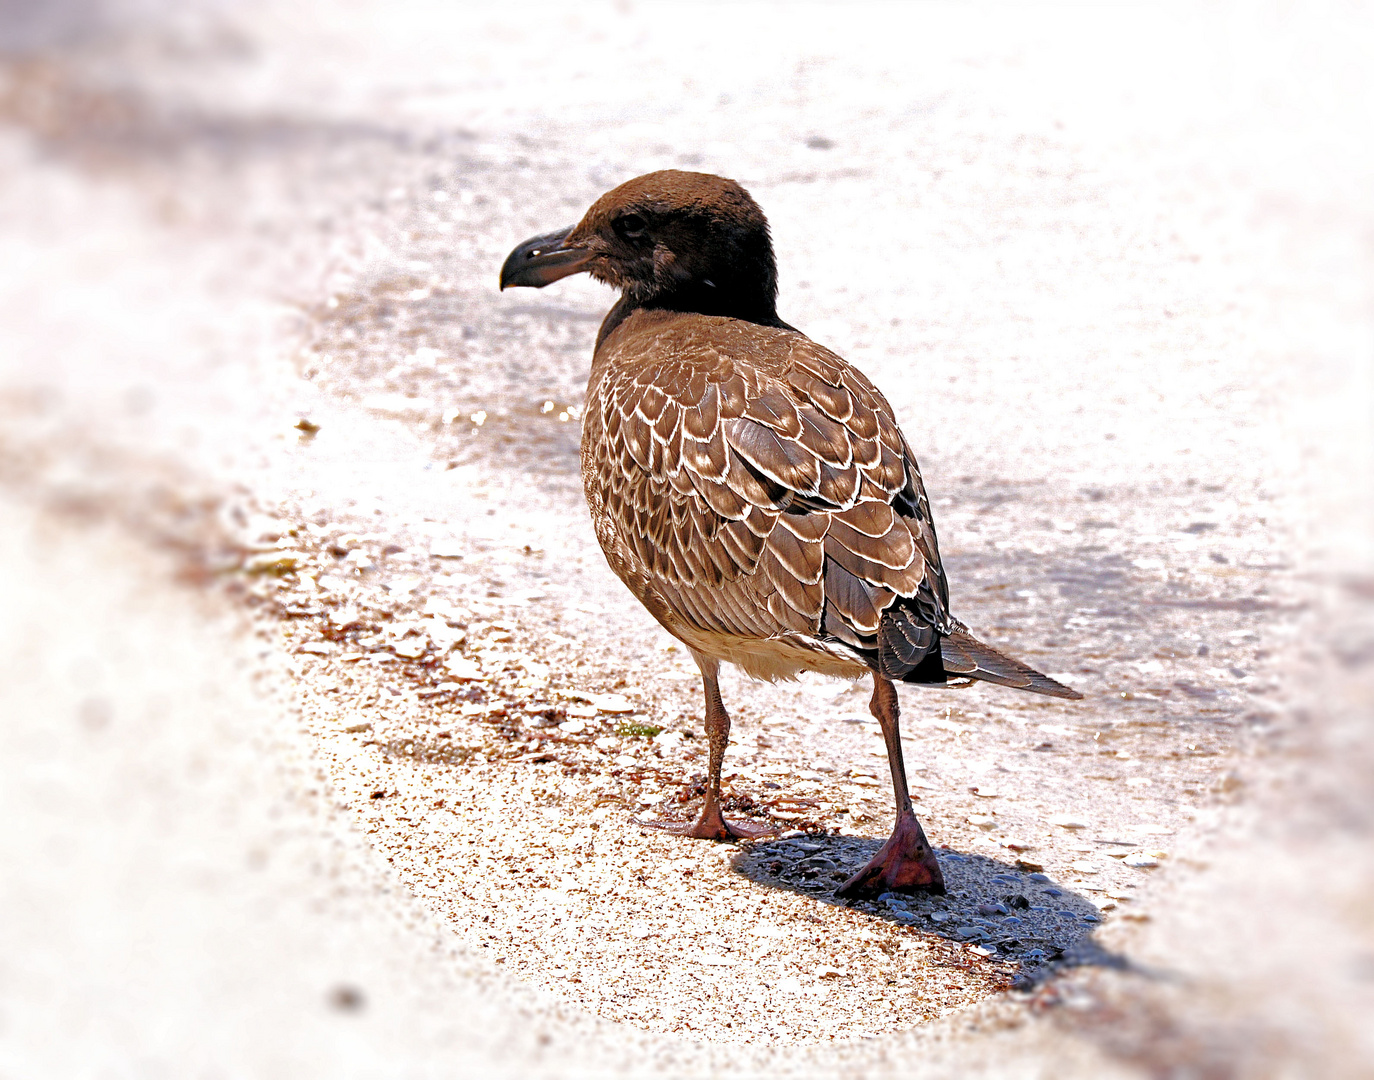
(906, 863)
(711, 823)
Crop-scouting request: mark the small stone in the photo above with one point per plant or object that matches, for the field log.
(983, 950)
(275, 563)
(1039, 879)
(575, 726)
(345, 618)
(940, 916)
(611, 703)
(319, 648)
(1140, 860)
(1082, 866)
(606, 742)
(626, 761)
(987, 791)
(410, 648)
(1067, 821)
(967, 932)
(461, 668)
(982, 821)
(829, 973)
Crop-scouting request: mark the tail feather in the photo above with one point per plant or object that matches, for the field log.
(964, 655)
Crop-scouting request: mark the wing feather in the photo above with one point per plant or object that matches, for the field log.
(759, 486)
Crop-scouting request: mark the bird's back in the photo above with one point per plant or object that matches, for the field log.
(754, 490)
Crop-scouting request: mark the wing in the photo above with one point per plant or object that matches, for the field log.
(764, 489)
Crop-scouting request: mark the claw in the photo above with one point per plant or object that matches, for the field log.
(906, 863)
(712, 825)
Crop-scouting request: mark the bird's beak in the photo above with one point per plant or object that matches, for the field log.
(542, 260)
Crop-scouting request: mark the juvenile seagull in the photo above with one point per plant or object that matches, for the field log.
(752, 488)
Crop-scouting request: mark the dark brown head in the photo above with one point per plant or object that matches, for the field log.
(678, 240)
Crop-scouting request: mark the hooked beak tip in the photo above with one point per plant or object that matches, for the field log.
(542, 260)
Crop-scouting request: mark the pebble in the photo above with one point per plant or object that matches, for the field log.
(611, 703)
(1140, 861)
(940, 916)
(1039, 879)
(1082, 866)
(574, 726)
(459, 667)
(1067, 821)
(275, 562)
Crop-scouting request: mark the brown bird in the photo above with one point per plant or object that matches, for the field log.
(752, 488)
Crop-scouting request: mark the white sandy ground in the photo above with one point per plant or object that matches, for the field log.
(1127, 256)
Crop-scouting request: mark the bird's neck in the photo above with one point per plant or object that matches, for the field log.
(704, 297)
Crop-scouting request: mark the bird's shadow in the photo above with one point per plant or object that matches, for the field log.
(1018, 916)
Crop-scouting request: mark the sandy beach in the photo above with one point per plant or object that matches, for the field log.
(327, 729)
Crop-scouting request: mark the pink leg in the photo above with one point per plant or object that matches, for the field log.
(906, 863)
(711, 824)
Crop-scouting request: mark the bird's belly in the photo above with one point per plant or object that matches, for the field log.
(771, 659)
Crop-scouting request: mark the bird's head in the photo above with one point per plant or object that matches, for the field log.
(679, 240)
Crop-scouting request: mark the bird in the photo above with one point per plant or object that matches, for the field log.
(752, 488)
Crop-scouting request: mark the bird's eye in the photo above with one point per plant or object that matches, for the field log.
(630, 226)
